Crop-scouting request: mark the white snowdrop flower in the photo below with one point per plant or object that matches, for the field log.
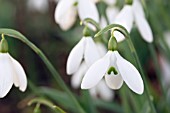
(78, 75)
(101, 89)
(66, 12)
(38, 5)
(11, 72)
(116, 70)
(133, 13)
(85, 49)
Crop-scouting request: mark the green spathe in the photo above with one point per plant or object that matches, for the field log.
(112, 44)
(3, 45)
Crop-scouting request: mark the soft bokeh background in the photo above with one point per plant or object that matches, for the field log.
(39, 26)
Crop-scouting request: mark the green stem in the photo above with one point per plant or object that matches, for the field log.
(55, 74)
(133, 50)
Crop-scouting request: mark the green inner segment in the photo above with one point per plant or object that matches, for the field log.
(112, 69)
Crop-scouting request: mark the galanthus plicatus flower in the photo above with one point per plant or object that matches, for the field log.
(11, 73)
(78, 75)
(85, 49)
(66, 12)
(128, 15)
(38, 5)
(101, 89)
(116, 70)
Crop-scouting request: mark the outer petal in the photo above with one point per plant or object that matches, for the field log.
(65, 14)
(137, 8)
(144, 28)
(96, 72)
(112, 12)
(6, 74)
(88, 9)
(110, 2)
(91, 52)
(104, 92)
(130, 74)
(103, 22)
(39, 5)
(19, 75)
(78, 76)
(124, 18)
(101, 48)
(75, 57)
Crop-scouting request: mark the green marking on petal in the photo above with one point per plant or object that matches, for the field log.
(112, 69)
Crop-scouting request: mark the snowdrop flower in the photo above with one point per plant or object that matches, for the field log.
(11, 71)
(38, 5)
(101, 89)
(66, 12)
(78, 75)
(85, 49)
(116, 70)
(128, 15)
(111, 13)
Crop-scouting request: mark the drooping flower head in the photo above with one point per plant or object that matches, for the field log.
(115, 69)
(11, 71)
(130, 14)
(66, 12)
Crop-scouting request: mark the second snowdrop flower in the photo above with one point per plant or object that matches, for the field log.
(85, 49)
(116, 70)
(66, 12)
(133, 13)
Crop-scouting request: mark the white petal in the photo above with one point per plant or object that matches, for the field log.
(6, 74)
(144, 28)
(39, 5)
(93, 92)
(112, 12)
(88, 9)
(101, 48)
(124, 18)
(114, 81)
(119, 36)
(75, 57)
(19, 75)
(78, 76)
(91, 52)
(137, 8)
(103, 22)
(96, 72)
(65, 14)
(110, 2)
(104, 92)
(130, 74)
